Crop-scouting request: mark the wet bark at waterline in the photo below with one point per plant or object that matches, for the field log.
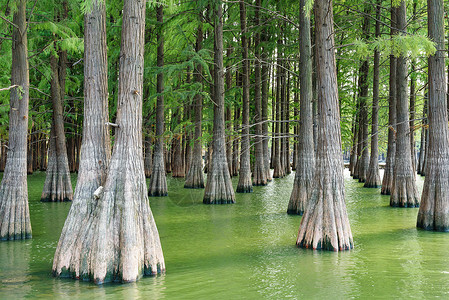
(325, 224)
(14, 212)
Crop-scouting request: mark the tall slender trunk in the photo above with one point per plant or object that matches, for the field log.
(278, 170)
(305, 168)
(373, 177)
(325, 224)
(259, 173)
(158, 180)
(219, 186)
(148, 159)
(404, 192)
(244, 184)
(235, 143)
(14, 213)
(387, 180)
(412, 114)
(434, 211)
(195, 177)
(423, 147)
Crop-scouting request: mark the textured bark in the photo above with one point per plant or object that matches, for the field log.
(412, 113)
(285, 152)
(373, 177)
(195, 177)
(158, 180)
(266, 138)
(236, 144)
(96, 152)
(278, 170)
(57, 186)
(422, 150)
(228, 116)
(434, 210)
(178, 169)
(148, 160)
(259, 173)
(404, 192)
(244, 184)
(387, 180)
(30, 158)
(219, 186)
(325, 224)
(14, 213)
(121, 242)
(304, 177)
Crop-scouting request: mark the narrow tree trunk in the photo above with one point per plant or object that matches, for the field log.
(228, 117)
(95, 154)
(404, 192)
(304, 177)
(434, 211)
(178, 169)
(265, 85)
(57, 186)
(14, 213)
(325, 224)
(387, 180)
(30, 147)
(373, 177)
(219, 186)
(148, 160)
(244, 184)
(158, 181)
(235, 143)
(278, 171)
(422, 151)
(412, 114)
(195, 177)
(259, 173)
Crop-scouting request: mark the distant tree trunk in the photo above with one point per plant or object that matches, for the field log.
(30, 146)
(57, 186)
(96, 152)
(195, 177)
(325, 224)
(158, 181)
(278, 171)
(286, 118)
(404, 192)
(304, 177)
(235, 143)
(43, 163)
(228, 117)
(14, 213)
(387, 180)
(178, 169)
(353, 155)
(412, 114)
(219, 186)
(244, 184)
(434, 211)
(122, 242)
(266, 138)
(259, 173)
(422, 151)
(373, 177)
(148, 160)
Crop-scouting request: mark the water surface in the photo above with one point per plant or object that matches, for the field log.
(246, 251)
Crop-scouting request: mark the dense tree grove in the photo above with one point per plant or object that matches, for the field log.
(247, 88)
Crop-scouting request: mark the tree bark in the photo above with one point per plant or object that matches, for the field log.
(96, 149)
(325, 224)
(422, 151)
(373, 177)
(305, 168)
(278, 170)
(387, 180)
(122, 242)
(14, 213)
(219, 186)
(195, 177)
(259, 173)
(158, 180)
(148, 160)
(434, 211)
(244, 184)
(404, 192)
(265, 85)
(236, 143)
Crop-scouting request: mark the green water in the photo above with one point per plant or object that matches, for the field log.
(246, 251)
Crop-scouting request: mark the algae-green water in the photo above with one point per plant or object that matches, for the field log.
(246, 251)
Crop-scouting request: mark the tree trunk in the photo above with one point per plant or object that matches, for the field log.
(304, 177)
(122, 242)
(158, 180)
(228, 117)
(96, 152)
(148, 160)
(387, 180)
(235, 143)
(195, 177)
(422, 151)
(434, 211)
(266, 138)
(404, 192)
(259, 173)
(373, 177)
(14, 213)
(278, 171)
(325, 224)
(30, 153)
(57, 186)
(178, 169)
(412, 114)
(244, 184)
(219, 186)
